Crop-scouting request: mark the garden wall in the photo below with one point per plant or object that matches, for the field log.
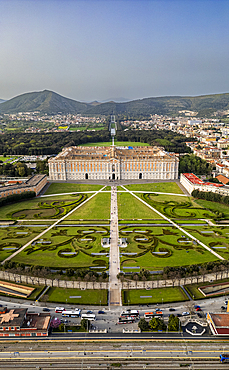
(97, 285)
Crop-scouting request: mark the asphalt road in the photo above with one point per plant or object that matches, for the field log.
(109, 319)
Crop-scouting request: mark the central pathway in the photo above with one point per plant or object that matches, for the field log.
(114, 283)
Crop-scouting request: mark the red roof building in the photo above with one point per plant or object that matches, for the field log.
(218, 323)
(18, 323)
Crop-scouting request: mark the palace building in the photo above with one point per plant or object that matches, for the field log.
(113, 163)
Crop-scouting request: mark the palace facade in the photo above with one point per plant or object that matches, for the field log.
(113, 163)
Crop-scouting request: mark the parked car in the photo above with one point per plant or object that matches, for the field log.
(223, 308)
(226, 302)
(45, 309)
(172, 309)
(100, 312)
(179, 315)
(185, 313)
(89, 312)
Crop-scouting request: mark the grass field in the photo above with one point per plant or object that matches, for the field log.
(58, 188)
(216, 238)
(12, 239)
(163, 187)
(29, 206)
(176, 206)
(89, 296)
(159, 296)
(131, 208)
(69, 247)
(96, 208)
(117, 143)
(43, 208)
(157, 247)
(193, 290)
(7, 158)
(163, 246)
(214, 206)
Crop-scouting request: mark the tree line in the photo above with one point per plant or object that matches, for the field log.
(178, 272)
(17, 197)
(157, 323)
(20, 169)
(209, 195)
(52, 143)
(194, 164)
(47, 272)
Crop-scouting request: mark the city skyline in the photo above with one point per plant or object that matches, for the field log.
(99, 50)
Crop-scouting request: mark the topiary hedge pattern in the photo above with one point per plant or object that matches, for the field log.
(61, 208)
(73, 243)
(175, 209)
(151, 245)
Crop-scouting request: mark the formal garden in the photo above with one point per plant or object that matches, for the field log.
(153, 248)
(42, 208)
(74, 244)
(177, 207)
(68, 247)
(217, 238)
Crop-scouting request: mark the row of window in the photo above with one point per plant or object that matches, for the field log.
(9, 327)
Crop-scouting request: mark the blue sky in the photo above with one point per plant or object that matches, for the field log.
(101, 49)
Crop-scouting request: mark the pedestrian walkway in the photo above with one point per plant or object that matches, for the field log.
(114, 269)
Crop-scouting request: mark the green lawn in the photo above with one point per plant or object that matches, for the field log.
(96, 208)
(12, 239)
(176, 207)
(42, 208)
(7, 158)
(163, 187)
(31, 207)
(69, 247)
(216, 237)
(193, 290)
(214, 206)
(160, 296)
(131, 208)
(117, 143)
(58, 188)
(89, 296)
(150, 242)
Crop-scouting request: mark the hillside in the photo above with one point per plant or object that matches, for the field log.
(43, 101)
(52, 103)
(204, 105)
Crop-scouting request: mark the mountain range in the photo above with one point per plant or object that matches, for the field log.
(52, 103)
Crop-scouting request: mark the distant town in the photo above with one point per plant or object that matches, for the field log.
(207, 138)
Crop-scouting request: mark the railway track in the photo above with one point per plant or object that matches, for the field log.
(112, 364)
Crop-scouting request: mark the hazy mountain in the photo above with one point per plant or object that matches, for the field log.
(52, 103)
(94, 103)
(2, 101)
(116, 100)
(204, 105)
(43, 101)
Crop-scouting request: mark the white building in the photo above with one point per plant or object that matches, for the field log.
(192, 182)
(113, 163)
